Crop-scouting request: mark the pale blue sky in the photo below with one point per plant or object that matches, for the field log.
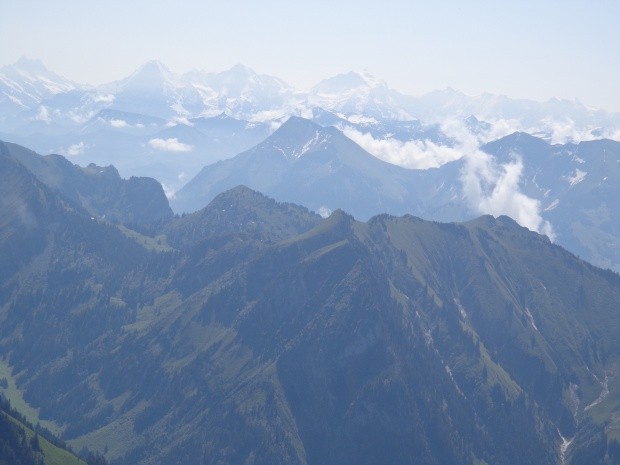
(523, 49)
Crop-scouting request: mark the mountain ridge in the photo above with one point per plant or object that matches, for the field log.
(302, 162)
(299, 343)
(99, 190)
(248, 95)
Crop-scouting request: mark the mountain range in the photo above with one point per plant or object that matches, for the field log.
(578, 187)
(323, 170)
(253, 331)
(146, 125)
(565, 191)
(30, 90)
(99, 191)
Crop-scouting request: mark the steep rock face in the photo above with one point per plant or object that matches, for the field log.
(99, 190)
(273, 337)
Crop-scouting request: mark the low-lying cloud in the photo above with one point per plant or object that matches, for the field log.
(76, 149)
(493, 188)
(118, 123)
(419, 154)
(170, 145)
(488, 187)
(104, 98)
(42, 114)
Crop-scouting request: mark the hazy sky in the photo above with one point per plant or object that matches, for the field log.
(530, 49)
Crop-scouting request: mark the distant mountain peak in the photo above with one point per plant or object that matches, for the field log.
(298, 123)
(26, 83)
(151, 68)
(154, 65)
(296, 137)
(241, 69)
(152, 78)
(240, 194)
(32, 65)
(36, 73)
(348, 82)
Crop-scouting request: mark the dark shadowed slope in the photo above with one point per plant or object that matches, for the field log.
(272, 337)
(100, 190)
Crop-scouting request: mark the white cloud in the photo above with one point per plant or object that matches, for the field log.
(170, 145)
(80, 118)
(420, 154)
(168, 191)
(492, 188)
(76, 149)
(360, 119)
(488, 187)
(324, 211)
(106, 99)
(118, 123)
(42, 114)
(179, 120)
(269, 116)
(275, 125)
(562, 132)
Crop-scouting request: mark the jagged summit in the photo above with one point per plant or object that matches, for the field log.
(298, 125)
(150, 74)
(33, 65)
(296, 137)
(347, 82)
(26, 83)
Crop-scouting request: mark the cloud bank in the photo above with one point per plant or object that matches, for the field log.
(487, 186)
(418, 154)
(493, 188)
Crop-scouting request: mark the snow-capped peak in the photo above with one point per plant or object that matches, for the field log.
(351, 81)
(26, 83)
(358, 93)
(34, 74)
(296, 138)
(31, 66)
(151, 74)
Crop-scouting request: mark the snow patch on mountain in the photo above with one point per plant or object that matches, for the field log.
(316, 141)
(552, 205)
(577, 177)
